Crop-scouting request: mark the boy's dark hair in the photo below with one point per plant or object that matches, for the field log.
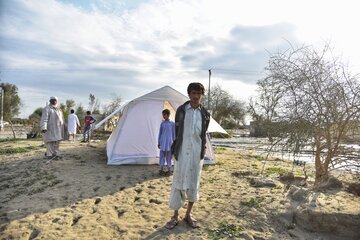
(88, 112)
(166, 111)
(197, 87)
(72, 111)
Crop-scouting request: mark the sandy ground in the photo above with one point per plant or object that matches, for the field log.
(80, 197)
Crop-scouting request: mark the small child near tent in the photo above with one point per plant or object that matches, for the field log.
(165, 140)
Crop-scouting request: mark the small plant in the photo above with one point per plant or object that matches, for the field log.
(260, 158)
(221, 135)
(220, 149)
(214, 179)
(36, 190)
(205, 167)
(49, 177)
(275, 170)
(252, 202)
(219, 163)
(53, 183)
(225, 230)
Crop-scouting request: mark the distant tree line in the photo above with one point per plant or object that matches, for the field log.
(12, 104)
(228, 111)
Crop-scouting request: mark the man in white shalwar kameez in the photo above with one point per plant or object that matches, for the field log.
(73, 123)
(52, 127)
(191, 123)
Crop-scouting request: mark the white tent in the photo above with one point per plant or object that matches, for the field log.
(134, 140)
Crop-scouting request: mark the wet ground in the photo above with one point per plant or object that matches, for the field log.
(260, 147)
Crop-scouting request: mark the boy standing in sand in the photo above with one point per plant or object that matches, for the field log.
(191, 123)
(165, 140)
(87, 125)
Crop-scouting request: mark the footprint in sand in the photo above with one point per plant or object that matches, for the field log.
(138, 190)
(156, 201)
(34, 234)
(97, 200)
(75, 220)
(120, 213)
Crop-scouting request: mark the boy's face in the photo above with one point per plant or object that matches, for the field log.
(195, 97)
(166, 116)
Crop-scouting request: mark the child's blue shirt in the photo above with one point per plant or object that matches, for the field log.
(166, 135)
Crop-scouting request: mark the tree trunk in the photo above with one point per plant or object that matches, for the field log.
(12, 128)
(321, 171)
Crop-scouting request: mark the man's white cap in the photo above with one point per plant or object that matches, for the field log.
(53, 98)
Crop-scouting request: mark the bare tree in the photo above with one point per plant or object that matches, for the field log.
(94, 104)
(310, 99)
(263, 109)
(114, 104)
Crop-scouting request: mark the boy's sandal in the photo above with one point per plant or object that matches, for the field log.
(191, 222)
(172, 223)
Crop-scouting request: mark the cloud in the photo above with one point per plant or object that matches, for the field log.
(73, 48)
(243, 54)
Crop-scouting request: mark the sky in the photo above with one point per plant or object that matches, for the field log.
(127, 48)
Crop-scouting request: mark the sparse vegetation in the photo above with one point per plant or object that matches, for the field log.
(221, 135)
(225, 230)
(219, 163)
(275, 170)
(17, 150)
(219, 149)
(253, 202)
(11, 140)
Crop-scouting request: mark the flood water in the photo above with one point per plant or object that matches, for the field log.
(259, 147)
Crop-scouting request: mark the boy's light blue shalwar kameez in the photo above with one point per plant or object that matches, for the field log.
(165, 140)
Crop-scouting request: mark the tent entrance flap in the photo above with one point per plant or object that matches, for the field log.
(167, 105)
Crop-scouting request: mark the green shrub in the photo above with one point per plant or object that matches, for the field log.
(225, 230)
(17, 150)
(273, 170)
(253, 202)
(221, 135)
(10, 140)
